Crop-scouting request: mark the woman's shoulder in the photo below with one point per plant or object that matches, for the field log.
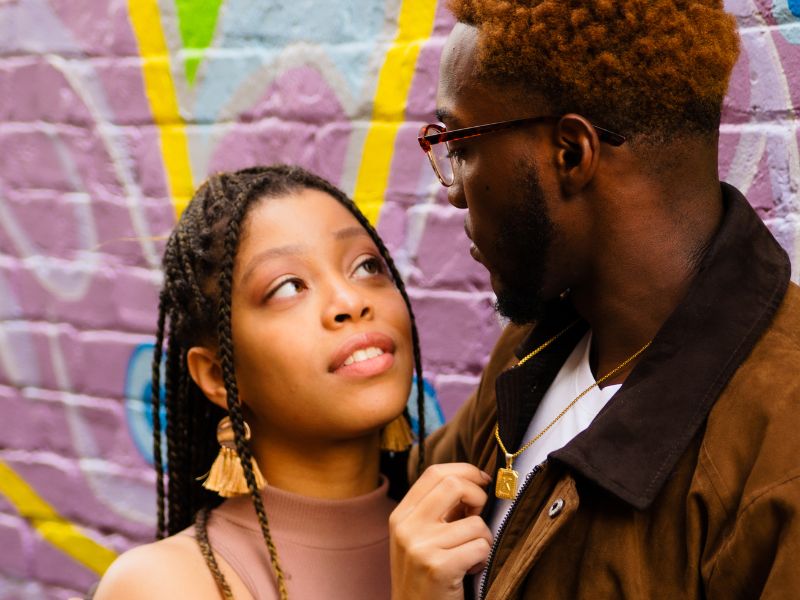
(170, 568)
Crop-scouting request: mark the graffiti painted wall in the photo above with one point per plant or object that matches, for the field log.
(112, 112)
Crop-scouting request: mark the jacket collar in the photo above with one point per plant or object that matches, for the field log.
(634, 444)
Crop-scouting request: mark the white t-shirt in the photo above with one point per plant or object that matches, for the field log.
(574, 377)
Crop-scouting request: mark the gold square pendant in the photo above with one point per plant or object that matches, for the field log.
(506, 486)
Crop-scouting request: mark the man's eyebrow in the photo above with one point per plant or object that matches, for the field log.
(443, 115)
(259, 258)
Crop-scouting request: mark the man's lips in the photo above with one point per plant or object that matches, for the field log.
(362, 342)
(473, 249)
(476, 254)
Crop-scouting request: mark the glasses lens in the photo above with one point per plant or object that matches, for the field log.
(440, 155)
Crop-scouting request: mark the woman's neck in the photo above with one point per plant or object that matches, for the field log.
(335, 470)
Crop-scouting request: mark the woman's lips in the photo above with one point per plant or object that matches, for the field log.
(364, 355)
(369, 367)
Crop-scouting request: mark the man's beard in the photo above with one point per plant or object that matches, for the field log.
(525, 238)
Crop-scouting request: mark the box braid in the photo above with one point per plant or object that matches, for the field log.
(195, 308)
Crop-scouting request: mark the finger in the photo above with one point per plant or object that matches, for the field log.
(430, 479)
(458, 533)
(466, 557)
(450, 493)
(434, 474)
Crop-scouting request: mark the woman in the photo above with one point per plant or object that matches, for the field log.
(282, 311)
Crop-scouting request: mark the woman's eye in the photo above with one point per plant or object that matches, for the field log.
(369, 267)
(287, 289)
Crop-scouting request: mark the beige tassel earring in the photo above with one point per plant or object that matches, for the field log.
(397, 436)
(226, 476)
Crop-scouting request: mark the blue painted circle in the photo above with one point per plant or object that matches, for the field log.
(138, 405)
(434, 418)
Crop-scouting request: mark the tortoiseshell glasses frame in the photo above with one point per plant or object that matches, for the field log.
(431, 135)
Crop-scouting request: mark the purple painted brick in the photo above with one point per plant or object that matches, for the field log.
(443, 21)
(51, 221)
(51, 566)
(75, 426)
(103, 28)
(19, 303)
(143, 146)
(7, 98)
(43, 92)
(264, 142)
(99, 360)
(457, 331)
(16, 544)
(77, 491)
(120, 240)
(35, 421)
(411, 169)
(123, 85)
(135, 295)
(453, 390)
(36, 162)
(736, 107)
(442, 258)
(790, 63)
(35, 301)
(329, 150)
(299, 94)
(60, 593)
(422, 96)
(13, 589)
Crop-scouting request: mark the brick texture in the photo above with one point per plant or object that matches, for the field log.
(86, 198)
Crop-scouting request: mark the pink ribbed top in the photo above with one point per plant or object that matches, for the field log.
(333, 549)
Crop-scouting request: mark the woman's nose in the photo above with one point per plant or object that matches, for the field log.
(347, 303)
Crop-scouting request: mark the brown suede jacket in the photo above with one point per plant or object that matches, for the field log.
(687, 484)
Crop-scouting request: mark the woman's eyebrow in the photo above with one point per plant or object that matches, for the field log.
(290, 250)
(350, 232)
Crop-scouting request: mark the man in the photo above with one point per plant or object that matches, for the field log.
(639, 419)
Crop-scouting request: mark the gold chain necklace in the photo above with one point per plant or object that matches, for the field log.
(508, 478)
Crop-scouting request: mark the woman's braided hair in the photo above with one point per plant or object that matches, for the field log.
(195, 308)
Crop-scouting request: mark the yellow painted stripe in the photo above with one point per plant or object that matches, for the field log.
(163, 98)
(394, 82)
(51, 526)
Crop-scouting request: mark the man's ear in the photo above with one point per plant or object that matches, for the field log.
(578, 153)
(206, 372)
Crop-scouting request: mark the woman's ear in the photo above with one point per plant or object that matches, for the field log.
(206, 372)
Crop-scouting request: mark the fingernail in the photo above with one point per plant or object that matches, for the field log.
(486, 477)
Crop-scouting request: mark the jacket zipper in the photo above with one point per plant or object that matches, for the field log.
(502, 528)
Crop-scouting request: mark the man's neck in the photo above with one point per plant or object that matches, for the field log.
(648, 257)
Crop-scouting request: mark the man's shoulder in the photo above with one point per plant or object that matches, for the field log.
(773, 362)
(751, 440)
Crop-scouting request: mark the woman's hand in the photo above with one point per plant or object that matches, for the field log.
(437, 535)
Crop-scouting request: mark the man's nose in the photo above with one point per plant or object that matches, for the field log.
(455, 194)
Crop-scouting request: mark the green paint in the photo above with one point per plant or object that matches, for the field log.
(197, 20)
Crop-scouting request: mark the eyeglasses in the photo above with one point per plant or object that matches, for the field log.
(434, 140)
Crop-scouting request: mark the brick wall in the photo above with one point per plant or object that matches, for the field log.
(112, 112)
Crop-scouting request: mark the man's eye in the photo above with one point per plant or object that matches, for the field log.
(287, 289)
(456, 154)
(368, 267)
